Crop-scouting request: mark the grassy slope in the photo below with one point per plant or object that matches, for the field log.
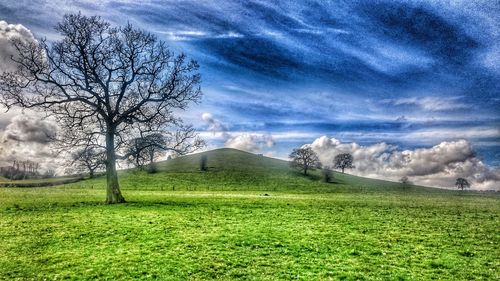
(220, 224)
(231, 169)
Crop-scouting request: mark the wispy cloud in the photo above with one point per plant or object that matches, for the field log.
(432, 103)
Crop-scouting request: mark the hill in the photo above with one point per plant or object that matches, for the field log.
(231, 169)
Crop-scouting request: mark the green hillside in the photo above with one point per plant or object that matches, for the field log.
(231, 169)
(247, 218)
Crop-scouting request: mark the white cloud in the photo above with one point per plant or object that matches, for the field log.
(252, 142)
(187, 35)
(184, 35)
(7, 50)
(230, 35)
(214, 125)
(436, 166)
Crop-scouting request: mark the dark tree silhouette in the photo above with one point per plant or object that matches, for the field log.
(89, 159)
(343, 161)
(462, 183)
(304, 159)
(102, 83)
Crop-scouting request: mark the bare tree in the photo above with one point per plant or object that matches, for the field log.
(147, 149)
(89, 159)
(102, 84)
(343, 161)
(462, 183)
(304, 159)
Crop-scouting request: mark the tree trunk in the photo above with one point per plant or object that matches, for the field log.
(342, 170)
(113, 193)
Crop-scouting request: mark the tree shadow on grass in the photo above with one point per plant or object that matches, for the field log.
(310, 177)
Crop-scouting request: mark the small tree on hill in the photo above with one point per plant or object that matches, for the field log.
(343, 161)
(304, 159)
(462, 183)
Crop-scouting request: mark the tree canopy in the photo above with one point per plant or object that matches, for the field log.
(304, 159)
(462, 183)
(104, 85)
(343, 161)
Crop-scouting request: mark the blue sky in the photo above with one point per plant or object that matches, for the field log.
(408, 73)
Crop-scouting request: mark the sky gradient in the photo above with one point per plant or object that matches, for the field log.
(411, 75)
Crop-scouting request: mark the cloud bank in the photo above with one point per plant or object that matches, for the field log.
(29, 138)
(437, 166)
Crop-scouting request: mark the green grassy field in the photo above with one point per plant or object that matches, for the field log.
(250, 218)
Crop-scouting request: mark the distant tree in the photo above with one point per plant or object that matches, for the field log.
(327, 174)
(304, 159)
(103, 82)
(21, 170)
(203, 162)
(462, 183)
(343, 161)
(50, 173)
(145, 150)
(89, 159)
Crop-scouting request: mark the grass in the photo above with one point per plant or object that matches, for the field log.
(248, 218)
